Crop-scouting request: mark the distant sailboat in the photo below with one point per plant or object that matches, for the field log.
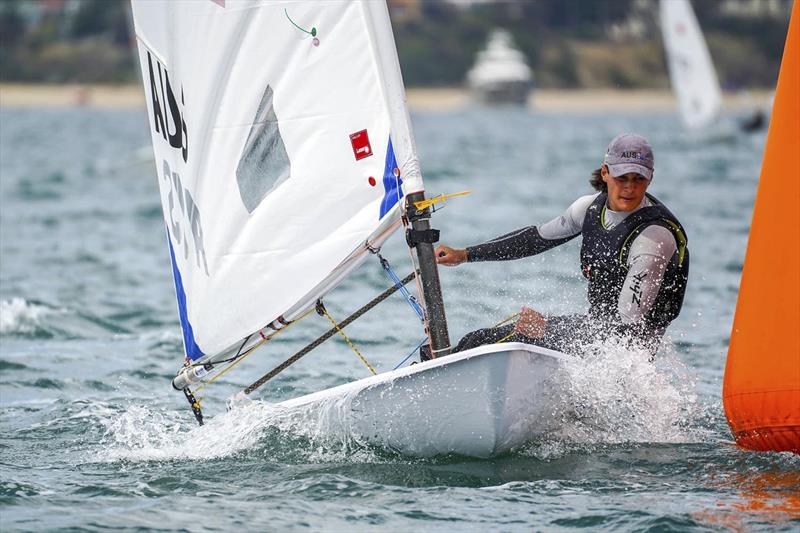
(285, 158)
(691, 70)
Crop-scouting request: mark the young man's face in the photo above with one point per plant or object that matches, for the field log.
(625, 192)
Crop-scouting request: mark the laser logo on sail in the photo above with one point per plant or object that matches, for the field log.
(171, 126)
(361, 146)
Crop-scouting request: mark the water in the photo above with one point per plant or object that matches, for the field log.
(93, 437)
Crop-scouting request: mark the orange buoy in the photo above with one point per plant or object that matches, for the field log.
(761, 389)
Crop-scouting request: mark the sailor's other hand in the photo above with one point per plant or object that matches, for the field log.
(530, 323)
(450, 256)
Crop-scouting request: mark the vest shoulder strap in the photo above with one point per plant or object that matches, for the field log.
(656, 214)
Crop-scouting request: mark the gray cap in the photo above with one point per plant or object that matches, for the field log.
(629, 152)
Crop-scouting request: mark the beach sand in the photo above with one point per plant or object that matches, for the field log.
(429, 99)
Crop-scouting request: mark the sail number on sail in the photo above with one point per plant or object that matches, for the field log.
(169, 122)
(190, 215)
(178, 139)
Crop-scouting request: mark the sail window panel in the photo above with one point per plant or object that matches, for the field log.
(264, 163)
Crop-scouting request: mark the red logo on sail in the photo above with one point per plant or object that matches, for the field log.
(360, 142)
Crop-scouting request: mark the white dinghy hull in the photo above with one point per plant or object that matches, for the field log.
(480, 402)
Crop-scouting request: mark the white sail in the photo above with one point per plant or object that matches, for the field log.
(691, 70)
(282, 146)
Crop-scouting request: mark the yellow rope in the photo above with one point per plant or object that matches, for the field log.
(507, 319)
(264, 340)
(348, 341)
(504, 339)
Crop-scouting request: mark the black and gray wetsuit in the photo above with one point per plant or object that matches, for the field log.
(637, 264)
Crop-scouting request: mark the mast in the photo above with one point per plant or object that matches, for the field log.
(422, 237)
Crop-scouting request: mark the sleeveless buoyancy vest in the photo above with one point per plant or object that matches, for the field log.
(604, 256)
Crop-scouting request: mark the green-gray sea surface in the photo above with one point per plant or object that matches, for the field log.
(93, 437)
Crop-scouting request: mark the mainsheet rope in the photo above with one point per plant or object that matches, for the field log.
(398, 285)
(505, 320)
(324, 312)
(281, 367)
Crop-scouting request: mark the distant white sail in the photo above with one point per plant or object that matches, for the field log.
(691, 70)
(282, 146)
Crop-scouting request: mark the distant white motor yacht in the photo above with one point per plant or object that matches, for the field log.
(500, 74)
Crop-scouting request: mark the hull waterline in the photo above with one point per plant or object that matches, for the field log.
(481, 402)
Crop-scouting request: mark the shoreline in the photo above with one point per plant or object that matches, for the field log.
(14, 95)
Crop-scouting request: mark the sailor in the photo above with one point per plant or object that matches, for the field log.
(754, 122)
(633, 254)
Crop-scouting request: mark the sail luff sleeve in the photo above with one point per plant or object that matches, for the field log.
(394, 92)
